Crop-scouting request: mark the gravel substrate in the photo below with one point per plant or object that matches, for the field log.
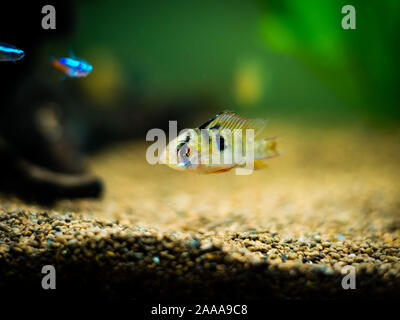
(285, 232)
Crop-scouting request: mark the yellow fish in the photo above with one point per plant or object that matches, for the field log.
(220, 144)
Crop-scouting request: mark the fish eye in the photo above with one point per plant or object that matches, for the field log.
(183, 150)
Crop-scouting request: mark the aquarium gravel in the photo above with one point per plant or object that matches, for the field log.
(284, 232)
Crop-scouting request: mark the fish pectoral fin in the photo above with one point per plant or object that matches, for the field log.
(224, 169)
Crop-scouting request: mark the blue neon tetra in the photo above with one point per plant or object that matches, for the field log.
(73, 67)
(10, 53)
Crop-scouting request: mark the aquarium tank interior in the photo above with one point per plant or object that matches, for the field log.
(200, 152)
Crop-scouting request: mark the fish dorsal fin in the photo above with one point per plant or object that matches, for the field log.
(6, 45)
(71, 53)
(231, 120)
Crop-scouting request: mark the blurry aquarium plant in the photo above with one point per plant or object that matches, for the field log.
(279, 59)
(362, 65)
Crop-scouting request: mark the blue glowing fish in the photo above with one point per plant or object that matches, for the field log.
(73, 67)
(10, 53)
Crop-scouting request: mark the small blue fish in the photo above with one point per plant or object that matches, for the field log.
(73, 67)
(10, 53)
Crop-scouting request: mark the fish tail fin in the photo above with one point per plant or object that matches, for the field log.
(271, 147)
(269, 150)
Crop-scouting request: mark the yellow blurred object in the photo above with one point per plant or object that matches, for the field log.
(248, 85)
(107, 78)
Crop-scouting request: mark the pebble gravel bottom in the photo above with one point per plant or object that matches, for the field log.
(286, 232)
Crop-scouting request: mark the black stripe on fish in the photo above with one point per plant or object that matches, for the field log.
(220, 141)
(216, 127)
(205, 124)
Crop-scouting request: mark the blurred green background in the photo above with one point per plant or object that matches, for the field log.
(286, 59)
